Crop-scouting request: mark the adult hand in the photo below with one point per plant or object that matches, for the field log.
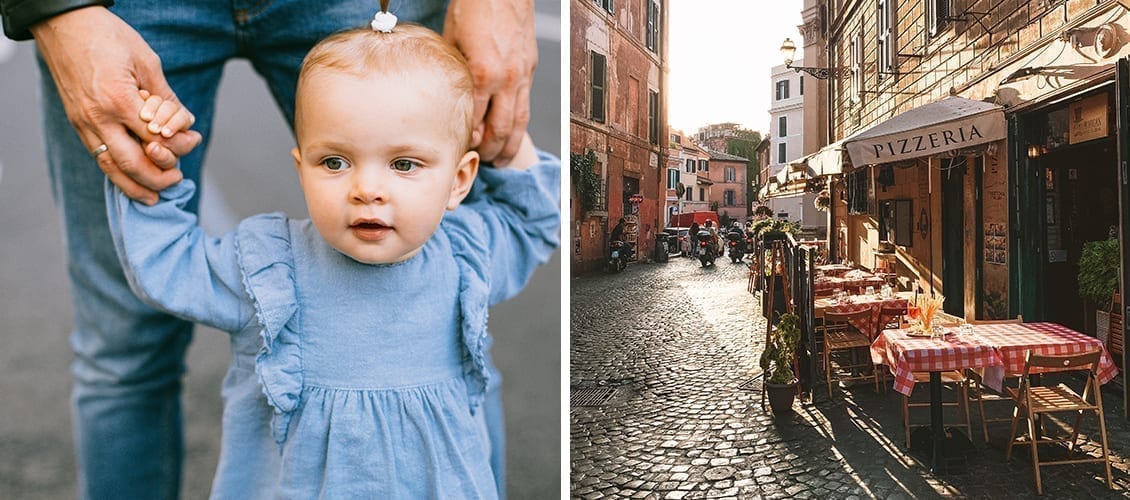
(497, 38)
(99, 65)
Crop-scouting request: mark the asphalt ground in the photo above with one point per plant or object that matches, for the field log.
(248, 170)
(666, 357)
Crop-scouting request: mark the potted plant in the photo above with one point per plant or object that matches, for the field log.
(775, 229)
(777, 362)
(823, 201)
(762, 211)
(1098, 279)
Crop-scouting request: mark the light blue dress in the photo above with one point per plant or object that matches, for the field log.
(348, 380)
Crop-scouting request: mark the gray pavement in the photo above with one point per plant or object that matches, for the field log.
(248, 171)
(676, 345)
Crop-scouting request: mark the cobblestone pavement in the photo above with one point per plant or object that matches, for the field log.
(677, 346)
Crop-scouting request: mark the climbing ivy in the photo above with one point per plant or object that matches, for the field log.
(584, 178)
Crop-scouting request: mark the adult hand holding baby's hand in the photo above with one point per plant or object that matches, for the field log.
(99, 64)
(497, 38)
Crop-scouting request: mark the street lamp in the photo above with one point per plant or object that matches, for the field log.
(788, 50)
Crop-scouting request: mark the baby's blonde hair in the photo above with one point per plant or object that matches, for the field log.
(408, 48)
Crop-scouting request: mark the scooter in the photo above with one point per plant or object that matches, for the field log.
(736, 244)
(617, 256)
(706, 248)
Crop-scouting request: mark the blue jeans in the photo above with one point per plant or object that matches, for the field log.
(129, 358)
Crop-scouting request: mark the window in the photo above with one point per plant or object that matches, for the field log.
(653, 116)
(690, 194)
(730, 174)
(728, 198)
(858, 191)
(676, 138)
(896, 221)
(782, 126)
(856, 53)
(780, 152)
(608, 6)
(703, 166)
(801, 80)
(596, 87)
(782, 90)
(885, 41)
(652, 26)
(672, 178)
(690, 165)
(937, 16)
(701, 194)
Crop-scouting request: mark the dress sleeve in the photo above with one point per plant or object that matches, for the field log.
(173, 265)
(515, 216)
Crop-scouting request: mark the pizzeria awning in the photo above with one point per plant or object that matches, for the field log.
(950, 124)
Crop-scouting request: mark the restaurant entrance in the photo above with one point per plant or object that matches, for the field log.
(1073, 158)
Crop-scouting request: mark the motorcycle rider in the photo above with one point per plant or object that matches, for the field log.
(714, 237)
(736, 229)
(618, 235)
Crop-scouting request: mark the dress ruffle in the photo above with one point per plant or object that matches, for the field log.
(474, 295)
(265, 257)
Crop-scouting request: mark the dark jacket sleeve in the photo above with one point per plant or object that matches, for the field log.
(19, 15)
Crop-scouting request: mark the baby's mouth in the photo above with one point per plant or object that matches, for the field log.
(370, 229)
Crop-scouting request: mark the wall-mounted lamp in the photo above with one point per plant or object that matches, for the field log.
(1036, 151)
(788, 50)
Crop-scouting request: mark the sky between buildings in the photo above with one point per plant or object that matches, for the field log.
(720, 54)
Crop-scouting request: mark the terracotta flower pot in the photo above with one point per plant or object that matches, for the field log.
(781, 396)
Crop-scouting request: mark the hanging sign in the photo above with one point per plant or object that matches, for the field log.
(1088, 119)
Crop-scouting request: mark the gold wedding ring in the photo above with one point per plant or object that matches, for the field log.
(99, 150)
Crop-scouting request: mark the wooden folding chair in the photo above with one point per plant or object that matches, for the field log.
(1034, 401)
(841, 335)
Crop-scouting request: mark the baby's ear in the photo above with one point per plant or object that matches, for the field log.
(465, 173)
(297, 158)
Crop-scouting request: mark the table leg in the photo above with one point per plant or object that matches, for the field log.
(936, 426)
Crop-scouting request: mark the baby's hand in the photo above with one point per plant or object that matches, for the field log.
(165, 118)
(526, 156)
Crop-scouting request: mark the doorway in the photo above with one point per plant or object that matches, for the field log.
(1080, 205)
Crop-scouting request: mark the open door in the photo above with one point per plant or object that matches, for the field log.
(1122, 107)
(953, 235)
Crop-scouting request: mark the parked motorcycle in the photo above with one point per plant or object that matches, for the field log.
(706, 248)
(737, 246)
(617, 256)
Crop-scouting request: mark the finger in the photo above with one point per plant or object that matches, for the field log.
(127, 154)
(182, 143)
(499, 123)
(482, 101)
(149, 109)
(164, 114)
(160, 155)
(518, 130)
(179, 122)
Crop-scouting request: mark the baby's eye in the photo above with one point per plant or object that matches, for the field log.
(335, 163)
(404, 165)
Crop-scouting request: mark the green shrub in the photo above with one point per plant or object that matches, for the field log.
(1098, 271)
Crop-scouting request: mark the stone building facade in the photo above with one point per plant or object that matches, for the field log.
(617, 96)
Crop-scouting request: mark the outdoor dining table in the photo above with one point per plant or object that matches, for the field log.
(834, 269)
(846, 283)
(905, 354)
(1012, 341)
(856, 303)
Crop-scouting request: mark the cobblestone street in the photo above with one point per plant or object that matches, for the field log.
(674, 348)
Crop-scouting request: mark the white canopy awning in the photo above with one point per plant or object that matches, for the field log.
(949, 124)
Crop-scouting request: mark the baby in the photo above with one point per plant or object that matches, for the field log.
(359, 365)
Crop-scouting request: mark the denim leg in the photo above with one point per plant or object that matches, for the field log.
(129, 358)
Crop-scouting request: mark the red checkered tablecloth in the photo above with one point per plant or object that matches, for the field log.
(905, 355)
(1013, 340)
(860, 303)
(833, 283)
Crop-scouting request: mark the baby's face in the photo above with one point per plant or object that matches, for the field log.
(378, 161)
